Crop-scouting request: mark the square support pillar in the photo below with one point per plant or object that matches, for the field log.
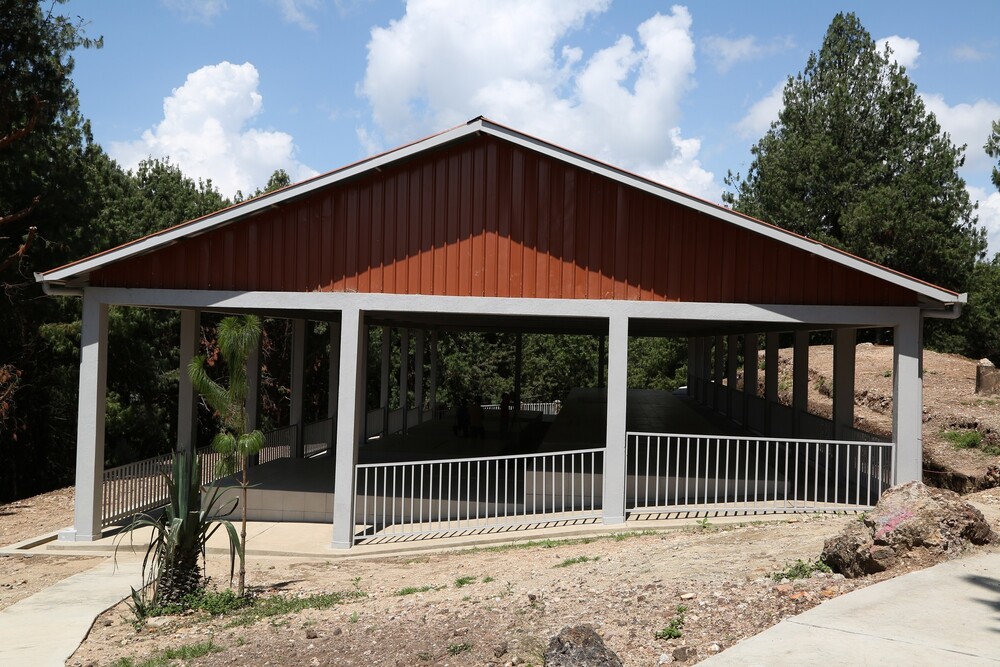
(732, 366)
(350, 420)
(296, 412)
(719, 373)
(844, 352)
(404, 372)
(384, 379)
(907, 398)
(750, 368)
(615, 449)
(800, 378)
(252, 405)
(333, 383)
(434, 373)
(187, 399)
(770, 379)
(418, 387)
(692, 369)
(91, 408)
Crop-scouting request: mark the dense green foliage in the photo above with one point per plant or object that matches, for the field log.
(856, 161)
(992, 148)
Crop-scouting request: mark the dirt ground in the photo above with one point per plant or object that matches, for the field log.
(509, 602)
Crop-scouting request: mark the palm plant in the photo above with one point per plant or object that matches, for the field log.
(171, 567)
(235, 442)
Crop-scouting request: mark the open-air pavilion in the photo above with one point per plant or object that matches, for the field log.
(485, 228)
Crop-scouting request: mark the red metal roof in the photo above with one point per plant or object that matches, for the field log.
(482, 215)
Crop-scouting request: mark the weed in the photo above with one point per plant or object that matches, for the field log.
(353, 618)
(410, 590)
(466, 598)
(424, 656)
(487, 579)
(673, 628)
(704, 523)
(508, 590)
(887, 373)
(163, 658)
(578, 559)
(278, 605)
(456, 649)
(800, 569)
(464, 581)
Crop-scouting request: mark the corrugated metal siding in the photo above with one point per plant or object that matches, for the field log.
(487, 218)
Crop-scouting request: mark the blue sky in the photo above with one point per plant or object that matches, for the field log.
(233, 89)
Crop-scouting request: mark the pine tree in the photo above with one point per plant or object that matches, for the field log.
(856, 161)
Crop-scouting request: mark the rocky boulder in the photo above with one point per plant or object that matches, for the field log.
(580, 646)
(910, 523)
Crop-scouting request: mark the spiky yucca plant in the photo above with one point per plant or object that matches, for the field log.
(237, 337)
(173, 565)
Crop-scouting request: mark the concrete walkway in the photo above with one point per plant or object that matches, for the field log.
(46, 628)
(945, 615)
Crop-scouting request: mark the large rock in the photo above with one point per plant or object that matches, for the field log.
(913, 522)
(580, 646)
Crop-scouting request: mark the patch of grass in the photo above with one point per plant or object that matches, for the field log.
(456, 649)
(410, 590)
(963, 439)
(487, 579)
(215, 603)
(578, 559)
(800, 569)
(464, 581)
(279, 605)
(673, 629)
(163, 658)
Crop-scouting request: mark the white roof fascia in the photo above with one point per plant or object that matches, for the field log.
(256, 205)
(689, 201)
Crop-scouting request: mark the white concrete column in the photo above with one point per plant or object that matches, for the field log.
(253, 388)
(404, 370)
(907, 398)
(770, 378)
(750, 342)
(600, 360)
(384, 378)
(518, 367)
(350, 421)
(614, 452)
(719, 373)
(296, 411)
(707, 387)
(800, 376)
(732, 366)
(418, 362)
(90, 422)
(434, 372)
(334, 378)
(692, 369)
(844, 348)
(187, 398)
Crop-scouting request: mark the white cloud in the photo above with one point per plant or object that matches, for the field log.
(446, 61)
(725, 52)
(989, 215)
(295, 11)
(968, 124)
(196, 10)
(204, 131)
(967, 53)
(764, 111)
(905, 50)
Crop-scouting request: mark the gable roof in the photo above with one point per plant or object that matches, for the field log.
(79, 272)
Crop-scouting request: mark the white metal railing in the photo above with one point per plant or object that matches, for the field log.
(423, 497)
(672, 472)
(142, 485)
(317, 438)
(550, 408)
